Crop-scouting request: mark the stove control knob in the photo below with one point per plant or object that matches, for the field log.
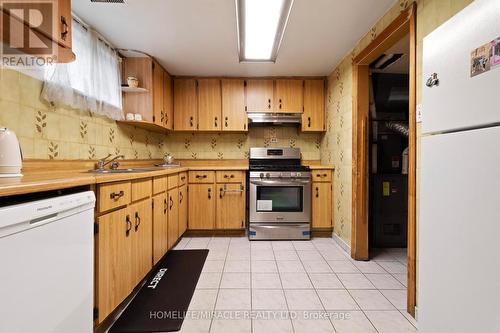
(298, 174)
(268, 175)
(261, 175)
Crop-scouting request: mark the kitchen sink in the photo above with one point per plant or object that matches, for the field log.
(131, 170)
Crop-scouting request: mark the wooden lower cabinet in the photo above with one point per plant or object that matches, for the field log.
(322, 205)
(160, 226)
(230, 206)
(202, 206)
(114, 249)
(173, 216)
(142, 239)
(183, 209)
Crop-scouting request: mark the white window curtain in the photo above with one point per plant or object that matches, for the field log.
(92, 82)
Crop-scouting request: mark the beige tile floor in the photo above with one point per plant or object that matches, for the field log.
(296, 286)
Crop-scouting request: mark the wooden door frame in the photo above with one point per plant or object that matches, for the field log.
(404, 24)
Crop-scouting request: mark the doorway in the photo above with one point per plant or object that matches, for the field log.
(401, 29)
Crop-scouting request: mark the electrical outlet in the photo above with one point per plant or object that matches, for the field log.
(274, 140)
(419, 113)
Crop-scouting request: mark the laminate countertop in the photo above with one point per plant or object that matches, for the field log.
(33, 182)
(48, 180)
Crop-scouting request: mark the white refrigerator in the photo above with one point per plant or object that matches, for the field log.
(459, 208)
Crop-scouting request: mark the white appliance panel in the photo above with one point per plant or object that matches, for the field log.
(461, 101)
(46, 260)
(459, 233)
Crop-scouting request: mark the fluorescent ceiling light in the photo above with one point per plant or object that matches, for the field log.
(261, 25)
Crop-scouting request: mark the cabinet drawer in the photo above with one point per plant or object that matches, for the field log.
(173, 181)
(201, 176)
(182, 178)
(321, 175)
(113, 195)
(141, 189)
(230, 176)
(159, 184)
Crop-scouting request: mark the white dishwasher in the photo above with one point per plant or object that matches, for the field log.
(46, 265)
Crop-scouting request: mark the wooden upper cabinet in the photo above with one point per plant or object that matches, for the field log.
(289, 95)
(209, 105)
(158, 105)
(185, 105)
(259, 95)
(168, 101)
(234, 115)
(313, 118)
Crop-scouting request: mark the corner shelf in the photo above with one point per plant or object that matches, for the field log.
(134, 90)
(145, 125)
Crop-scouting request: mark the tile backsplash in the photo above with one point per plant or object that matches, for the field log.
(47, 132)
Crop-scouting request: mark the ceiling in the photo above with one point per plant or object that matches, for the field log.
(402, 66)
(199, 37)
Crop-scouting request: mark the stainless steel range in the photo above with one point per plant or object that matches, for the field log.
(280, 195)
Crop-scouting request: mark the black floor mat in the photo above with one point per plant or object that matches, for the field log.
(160, 304)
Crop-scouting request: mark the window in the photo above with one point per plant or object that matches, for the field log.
(92, 82)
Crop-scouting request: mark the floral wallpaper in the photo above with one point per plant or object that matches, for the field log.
(46, 132)
(336, 144)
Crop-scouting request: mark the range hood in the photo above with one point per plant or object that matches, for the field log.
(274, 118)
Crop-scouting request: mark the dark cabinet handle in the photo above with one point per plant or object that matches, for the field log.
(215, 122)
(183, 177)
(221, 190)
(317, 192)
(116, 195)
(129, 225)
(137, 221)
(244, 126)
(226, 121)
(65, 28)
(308, 121)
(209, 193)
(269, 103)
(181, 197)
(171, 203)
(201, 176)
(228, 176)
(191, 121)
(165, 206)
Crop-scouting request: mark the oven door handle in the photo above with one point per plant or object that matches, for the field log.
(280, 182)
(279, 226)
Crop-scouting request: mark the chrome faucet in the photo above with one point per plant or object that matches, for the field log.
(114, 163)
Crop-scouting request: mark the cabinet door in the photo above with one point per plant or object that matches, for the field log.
(142, 103)
(159, 114)
(289, 96)
(259, 95)
(160, 226)
(230, 206)
(185, 105)
(114, 249)
(168, 101)
(142, 239)
(183, 209)
(173, 217)
(233, 105)
(322, 205)
(209, 105)
(202, 212)
(313, 118)
(64, 23)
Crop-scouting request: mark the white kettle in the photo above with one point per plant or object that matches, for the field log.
(10, 154)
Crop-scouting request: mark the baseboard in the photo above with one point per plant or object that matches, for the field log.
(216, 233)
(322, 232)
(341, 243)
